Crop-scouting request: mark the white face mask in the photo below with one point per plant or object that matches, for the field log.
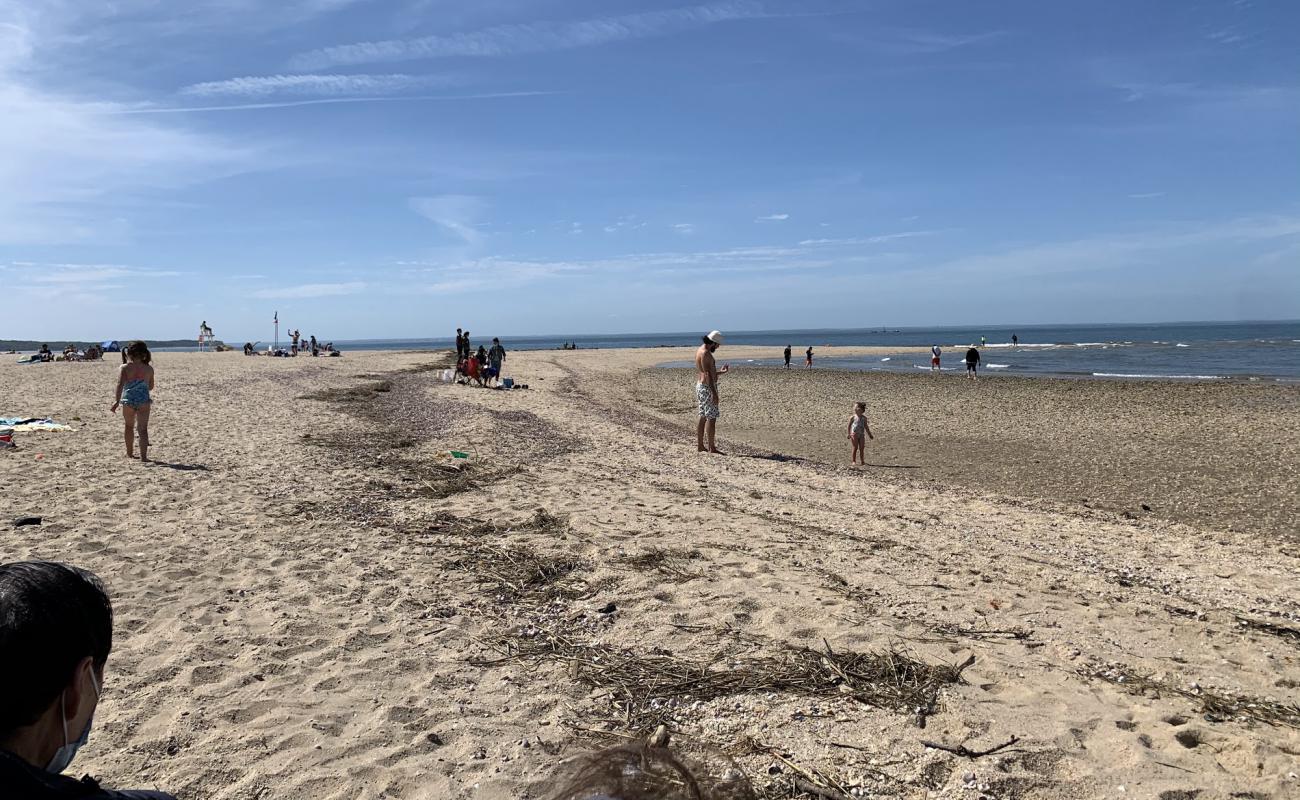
(64, 755)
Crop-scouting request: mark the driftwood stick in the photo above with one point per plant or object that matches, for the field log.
(820, 791)
(965, 752)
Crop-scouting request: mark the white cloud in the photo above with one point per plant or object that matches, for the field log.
(773, 218)
(310, 290)
(152, 109)
(533, 37)
(684, 228)
(81, 274)
(888, 237)
(69, 163)
(456, 213)
(267, 85)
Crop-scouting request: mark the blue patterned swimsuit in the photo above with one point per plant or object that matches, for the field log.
(135, 393)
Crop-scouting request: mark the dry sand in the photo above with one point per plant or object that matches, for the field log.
(308, 606)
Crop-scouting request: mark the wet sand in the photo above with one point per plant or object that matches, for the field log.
(1221, 455)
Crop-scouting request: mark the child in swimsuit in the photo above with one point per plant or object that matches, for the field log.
(859, 432)
(134, 383)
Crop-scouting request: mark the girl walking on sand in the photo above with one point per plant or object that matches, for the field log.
(859, 432)
(134, 383)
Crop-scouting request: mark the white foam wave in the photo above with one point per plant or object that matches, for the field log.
(1180, 344)
(886, 358)
(997, 366)
(1181, 377)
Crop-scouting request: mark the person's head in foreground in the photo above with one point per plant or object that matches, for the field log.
(649, 770)
(713, 340)
(859, 407)
(139, 352)
(56, 631)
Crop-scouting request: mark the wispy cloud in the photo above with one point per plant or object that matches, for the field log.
(82, 274)
(684, 228)
(858, 240)
(64, 159)
(152, 109)
(455, 213)
(534, 37)
(310, 290)
(268, 85)
(772, 218)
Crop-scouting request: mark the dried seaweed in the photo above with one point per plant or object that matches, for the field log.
(669, 562)
(521, 573)
(1215, 706)
(647, 687)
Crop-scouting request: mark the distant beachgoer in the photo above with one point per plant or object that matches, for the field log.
(248, 348)
(495, 356)
(859, 432)
(807, 357)
(204, 330)
(45, 354)
(787, 356)
(460, 344)
(134, 384)
(984, 342)
(706, 391)
(293, 343)
(1015, 340)
(972, 362)
(56, 633)
(315, 350)
(936, 353)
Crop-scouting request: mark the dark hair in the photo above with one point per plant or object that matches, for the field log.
(139, 350)
(644, 771)
(51, 617)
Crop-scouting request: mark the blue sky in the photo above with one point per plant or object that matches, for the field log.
(372, 168)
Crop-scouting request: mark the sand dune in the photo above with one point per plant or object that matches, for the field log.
(310, 604)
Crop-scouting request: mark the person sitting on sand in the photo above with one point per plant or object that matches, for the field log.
(56, 631)
(134, 384)
(44, 354)
(706, 390)
(972, 362)
(859, 432)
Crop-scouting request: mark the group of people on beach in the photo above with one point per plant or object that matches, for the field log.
(859, 430)
(482, 366)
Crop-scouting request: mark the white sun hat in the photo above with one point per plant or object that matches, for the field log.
(715, 337)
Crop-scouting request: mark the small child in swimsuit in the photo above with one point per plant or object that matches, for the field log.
(859, 432)
(134, 383)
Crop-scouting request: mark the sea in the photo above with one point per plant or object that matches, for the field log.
(1184, 351)
(1179, 351)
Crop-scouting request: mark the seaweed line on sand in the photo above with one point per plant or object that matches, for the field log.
(647, 687)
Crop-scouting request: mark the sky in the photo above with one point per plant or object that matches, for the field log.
(399, 168)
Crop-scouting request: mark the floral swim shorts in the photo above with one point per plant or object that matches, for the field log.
(708, 408)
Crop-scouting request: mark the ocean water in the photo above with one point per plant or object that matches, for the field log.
(1173, 351)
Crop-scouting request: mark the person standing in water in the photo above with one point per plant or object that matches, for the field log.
(935, 354)
(972, 362)
(787, 356)
(1015, 340)
(984, 342)
(706, 391)
(807, 357)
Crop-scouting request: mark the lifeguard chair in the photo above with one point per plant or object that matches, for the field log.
(205, 337)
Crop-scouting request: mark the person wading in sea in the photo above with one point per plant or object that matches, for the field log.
(706, 391)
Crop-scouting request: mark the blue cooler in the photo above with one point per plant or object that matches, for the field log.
(509, 383)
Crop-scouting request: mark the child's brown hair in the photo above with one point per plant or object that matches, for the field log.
(139, 351)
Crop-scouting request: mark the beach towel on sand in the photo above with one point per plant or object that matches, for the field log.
(33, 424)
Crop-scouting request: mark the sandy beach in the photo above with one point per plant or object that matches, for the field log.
(314, 601)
